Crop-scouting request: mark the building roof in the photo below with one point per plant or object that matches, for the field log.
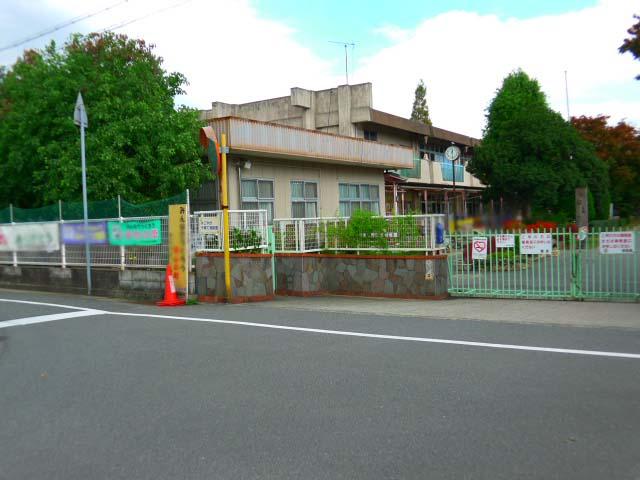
(401, 123)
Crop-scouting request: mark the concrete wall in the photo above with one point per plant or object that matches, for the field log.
(376, 276)
(136, 284)
(334, 110)
(327, 176)
(251, 277)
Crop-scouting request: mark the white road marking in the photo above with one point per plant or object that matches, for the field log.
(49, 318)
(70, 307)
(503, 346)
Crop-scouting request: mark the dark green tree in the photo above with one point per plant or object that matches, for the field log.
(632, 44)
(532, 158)
(138, 143)
(420, 110)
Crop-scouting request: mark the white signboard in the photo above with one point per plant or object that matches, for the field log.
(535, 243)
(506, 240)
(30, 237)
(209, 224)
(617, 242)
(479, 247)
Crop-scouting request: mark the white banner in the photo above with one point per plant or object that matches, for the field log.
(505, 240)
(479, 247)
(535, 243)
(617, 242)
(29, 237)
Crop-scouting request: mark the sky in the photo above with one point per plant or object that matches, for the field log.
(244, 50)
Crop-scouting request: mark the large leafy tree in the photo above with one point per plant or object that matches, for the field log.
(619, 147)
(420, 110)
(138, 143)
(531, 157)
(632, 44)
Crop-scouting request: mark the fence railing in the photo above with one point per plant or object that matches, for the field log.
(247, 230)
(554, 264)
(66, 252)
(48, 245)
(416, 233)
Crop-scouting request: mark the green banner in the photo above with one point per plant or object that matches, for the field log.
(135, 233)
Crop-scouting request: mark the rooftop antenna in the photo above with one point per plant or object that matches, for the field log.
(566, 91)
(346, 56)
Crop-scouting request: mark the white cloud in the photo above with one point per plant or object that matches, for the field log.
(463, 58)
(229, 52)
(225, 49)
(393, 33)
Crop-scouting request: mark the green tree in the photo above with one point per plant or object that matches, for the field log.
(619, 147)
(138, 144)
(531, 157)
(420, 110)
(632, 44)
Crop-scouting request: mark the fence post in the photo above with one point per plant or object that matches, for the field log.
(301, 236)
(63, 246)
(122, 247)
(15, 254)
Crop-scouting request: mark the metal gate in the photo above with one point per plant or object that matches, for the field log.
(551, 264)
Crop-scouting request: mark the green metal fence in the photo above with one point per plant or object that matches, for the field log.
(552, 264)
(96, 209)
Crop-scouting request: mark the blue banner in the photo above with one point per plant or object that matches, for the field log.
(74, 233)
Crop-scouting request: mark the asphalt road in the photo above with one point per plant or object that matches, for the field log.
(131, 396)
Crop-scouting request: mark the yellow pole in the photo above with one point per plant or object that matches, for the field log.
(225, 219)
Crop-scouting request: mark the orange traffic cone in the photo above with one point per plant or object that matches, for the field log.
(170, 297)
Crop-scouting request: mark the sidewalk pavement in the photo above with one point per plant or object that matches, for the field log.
(551, 312)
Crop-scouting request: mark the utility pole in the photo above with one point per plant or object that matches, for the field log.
(80, 119)
(346, 56)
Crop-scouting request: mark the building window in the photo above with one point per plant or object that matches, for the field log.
(371, 135)
(355, 196)
(304, 199)
(257, 194)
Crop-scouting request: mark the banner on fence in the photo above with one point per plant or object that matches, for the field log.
(479, 247)
(616, 242)
(535, 243)
(135, 233)
(505, 240)
(74, 233)
(32, 237)
(178, 244)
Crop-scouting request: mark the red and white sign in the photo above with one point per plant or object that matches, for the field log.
(505, 240)
(479, 247)
(535, 243)
(617, 242)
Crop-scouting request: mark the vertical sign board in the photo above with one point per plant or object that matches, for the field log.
(479, 247)
(535, 243)
(177, 244)
(616, 242)
(582, 207)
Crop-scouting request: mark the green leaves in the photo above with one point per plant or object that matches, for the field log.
(138, 144)
(420, 110)
(531, 156)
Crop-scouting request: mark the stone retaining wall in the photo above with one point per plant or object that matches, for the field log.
(251, 277)
(378, 276)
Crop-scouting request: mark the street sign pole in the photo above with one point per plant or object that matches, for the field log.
(80, 118)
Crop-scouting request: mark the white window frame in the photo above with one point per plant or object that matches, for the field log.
(258, 200)
(304, 199)
(359, 198)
